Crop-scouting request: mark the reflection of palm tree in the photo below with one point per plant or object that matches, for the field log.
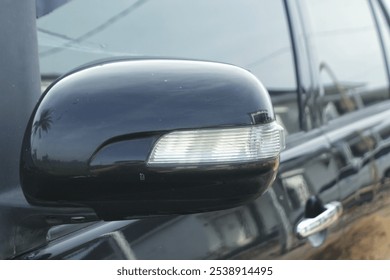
(44, 122)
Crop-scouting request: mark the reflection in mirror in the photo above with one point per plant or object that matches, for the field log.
(43, 124)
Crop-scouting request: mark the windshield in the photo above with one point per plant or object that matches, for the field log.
(251, 34)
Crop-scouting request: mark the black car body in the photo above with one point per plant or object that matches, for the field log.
(326, 65)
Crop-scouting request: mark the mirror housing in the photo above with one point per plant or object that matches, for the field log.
(133, 138)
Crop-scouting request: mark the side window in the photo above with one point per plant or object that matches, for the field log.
(252, 34)
(384, 25)
(387, 4)
(351, 64)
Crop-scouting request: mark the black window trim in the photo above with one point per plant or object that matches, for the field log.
(380, 36)
(299, 88)
(385, 11)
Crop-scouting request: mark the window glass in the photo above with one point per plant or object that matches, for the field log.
(251, 34)
(387, 4)
(350, 59)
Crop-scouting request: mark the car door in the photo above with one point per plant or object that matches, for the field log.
(265, 228)
(353, 108)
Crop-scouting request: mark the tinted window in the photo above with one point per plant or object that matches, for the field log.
(350, 59)
(250, 33)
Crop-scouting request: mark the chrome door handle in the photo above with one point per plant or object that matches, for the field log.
(314, 225)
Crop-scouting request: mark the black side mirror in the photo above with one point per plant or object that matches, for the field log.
(134, 138)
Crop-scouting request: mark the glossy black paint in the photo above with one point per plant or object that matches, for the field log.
(91, 134)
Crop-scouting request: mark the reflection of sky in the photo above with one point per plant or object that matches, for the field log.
(246, 33)
(387, 4)
(347, 41)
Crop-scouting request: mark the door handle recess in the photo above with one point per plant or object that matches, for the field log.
(314, 225)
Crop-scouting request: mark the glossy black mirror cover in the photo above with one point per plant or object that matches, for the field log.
(90, 135)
